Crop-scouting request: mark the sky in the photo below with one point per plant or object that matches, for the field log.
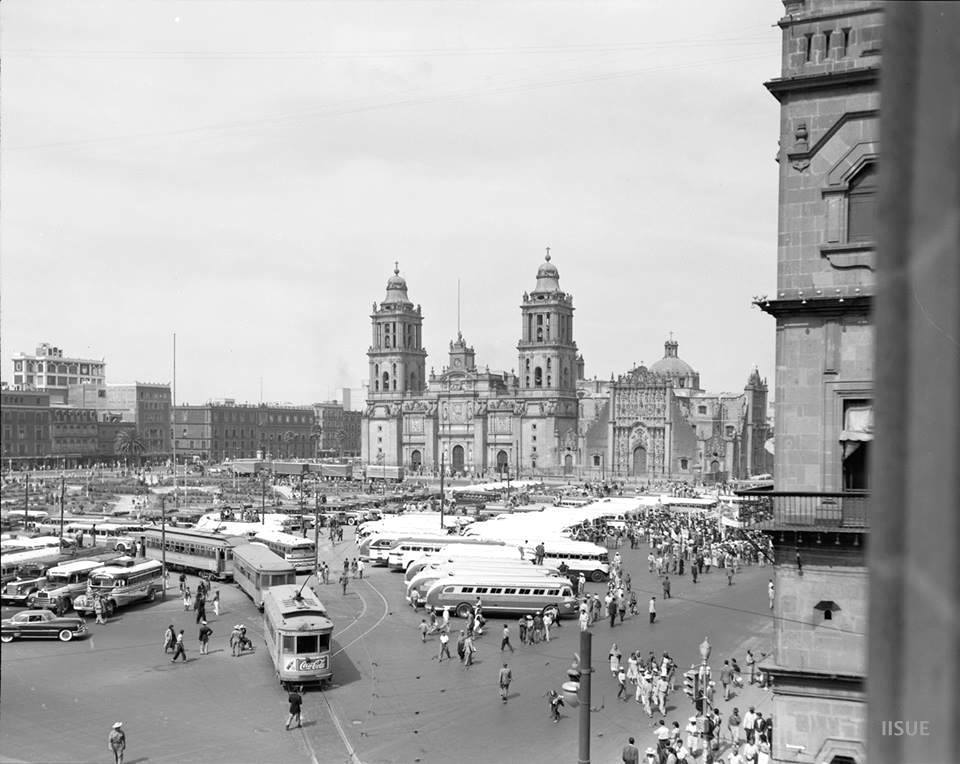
(244, 175)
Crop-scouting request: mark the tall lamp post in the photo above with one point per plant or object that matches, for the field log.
(163, 544)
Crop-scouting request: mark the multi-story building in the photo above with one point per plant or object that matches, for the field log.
(331, 425)
(74, 438)
(351, 433)
(829, 146)
(109, 428)
(47, 369)
(146, 404)
(225, 430)
(26, 426)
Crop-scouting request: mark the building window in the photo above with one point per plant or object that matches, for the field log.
(538, 377)
(596, 460)
(856, 439)
(684, 464)
(862, 205)
(701, 409)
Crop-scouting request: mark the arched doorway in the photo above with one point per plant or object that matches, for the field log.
(416, 460)
(457, 460)
(568, 464)
(503, 462)
(639, 466)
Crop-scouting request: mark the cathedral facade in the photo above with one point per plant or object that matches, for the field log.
(545, 417)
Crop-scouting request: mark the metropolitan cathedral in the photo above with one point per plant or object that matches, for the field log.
(546, 418)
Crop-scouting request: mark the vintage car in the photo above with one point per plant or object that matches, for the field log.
(40, 623)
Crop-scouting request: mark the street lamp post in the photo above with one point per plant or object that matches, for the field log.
(163, 544)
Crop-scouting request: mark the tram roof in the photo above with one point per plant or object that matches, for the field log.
(295, 608)
(261, 557)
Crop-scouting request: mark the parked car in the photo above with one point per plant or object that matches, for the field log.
(41, 624)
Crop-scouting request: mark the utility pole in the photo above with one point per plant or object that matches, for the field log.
(316, 533)
(442, 494)
(263, 498)
(163, 544)
(63, 488)
(586, 672)
(26, 503)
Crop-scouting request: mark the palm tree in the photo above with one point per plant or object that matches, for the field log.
(129, 444)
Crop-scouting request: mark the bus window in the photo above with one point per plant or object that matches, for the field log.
(566, 593)
(553, 592)
(496, 590)
(447, 589)
(308, 643)
(511, 590)
(467, 589)
(539, 591)
(523, 591)
(481, 590)
(288, 643)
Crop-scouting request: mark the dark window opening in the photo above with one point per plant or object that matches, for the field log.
(862, 205)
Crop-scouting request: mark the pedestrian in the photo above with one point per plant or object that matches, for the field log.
(180, 648)
(693, 571)
(770, 590)
(424, 628)
(505, 678)
(692, 733)
(186, 598)
(505, 639)
(733, 726)
(183, 582)
(468, 652)
(749, 719)
(612, 610)
(343, 583)
(663, 739)
(630, 754)
(204, 637)
(726, 679)
(444, 646)
(201, 608)
(547, 623)
(556, 703)
(216, 603)
(235, 647)
(581, 584)
(621, 606)
(446, 617)
(729, 572)
(522, 628)
(650, 757)
(751, 666)
(98, 608)
(346, 566)
(614, 657)
(666, 587)
(325, 570)
(169, 639)
(622, 685)
(652, 609)
(117, 742)
(295, 699)
(359, 568)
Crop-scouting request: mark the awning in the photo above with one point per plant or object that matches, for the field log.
(857, 426)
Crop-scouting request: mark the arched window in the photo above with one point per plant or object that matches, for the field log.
(538, 377)
(862, 205)
(386, 381)
(413, 381)
(376, 378)
(394, 376)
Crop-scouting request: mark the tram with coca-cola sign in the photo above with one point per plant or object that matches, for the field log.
(298, 634)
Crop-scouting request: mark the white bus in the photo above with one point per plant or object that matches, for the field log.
(467, 551)
(298, 551)
(407, 551)
(578, 556)
(256, 569)
(214, 521)
(377, 548)
(64, 582)
(417, 589)
(12, 562)
(22, 544)
(503, 595)
(125, 581)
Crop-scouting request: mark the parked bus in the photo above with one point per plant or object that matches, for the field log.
(256, 569)
(406, 551)
(458, 551)
(376, 548)
(298, 635)
(579, 556)
(124, 582)
(418, 587)
(299, 551)
(26, 573)
(204, 553)
(64, 582)
(502, 595)
(23, 544)
(14, 562)
(120, 537)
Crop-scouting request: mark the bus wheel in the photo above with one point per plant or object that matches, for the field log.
(152, 595)
(463, 609)
(108, 608)
(597, 576)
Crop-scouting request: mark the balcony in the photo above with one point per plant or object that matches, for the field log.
(848, 510)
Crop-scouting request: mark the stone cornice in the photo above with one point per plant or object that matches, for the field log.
(783, 86)
(835, 306)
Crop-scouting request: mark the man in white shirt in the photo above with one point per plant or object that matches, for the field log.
(749, 719)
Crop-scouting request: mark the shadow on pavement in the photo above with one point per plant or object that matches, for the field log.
(344, 670)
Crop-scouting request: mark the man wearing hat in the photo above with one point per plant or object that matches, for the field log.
(650, 757)
(117, 742)
(205, 632)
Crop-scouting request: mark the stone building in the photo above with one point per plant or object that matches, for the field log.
(829, 143)
(474, 421)
(49, 370)
(146, 404)
(26, 426)
(74, 439)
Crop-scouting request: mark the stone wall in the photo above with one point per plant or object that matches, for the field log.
(824, 726)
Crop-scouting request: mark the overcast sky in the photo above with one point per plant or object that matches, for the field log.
(245, 174)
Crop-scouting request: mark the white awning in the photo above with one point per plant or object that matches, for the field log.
(857, 427)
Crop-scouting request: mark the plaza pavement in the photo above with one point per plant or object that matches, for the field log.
(390, 702)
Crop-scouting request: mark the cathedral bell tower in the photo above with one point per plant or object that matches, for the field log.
(396, 356)
(548, 354)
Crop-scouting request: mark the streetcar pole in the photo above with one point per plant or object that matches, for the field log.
(163, 544)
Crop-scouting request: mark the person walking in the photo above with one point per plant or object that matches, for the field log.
(444, 646)
(630, 753)
(614, 657)
(504, 681)
(169, 639)
(622, 685)
(505, 639)
(216, 603)
(751, 666)
(726, 679)
(235, 644)
(652, 609)
(666, 587)
(424, 628)
(204, 637)
(343, 583)
(117, 742)
(733, 726)
(201, 607)
(729, 572)
(770, 591)
(180, 648)
(295, 699)
(186, 598)
(98, 608)
(468, 652)
(556, 703)
(359, 568)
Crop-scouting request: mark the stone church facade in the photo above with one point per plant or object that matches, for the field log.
(545, 417)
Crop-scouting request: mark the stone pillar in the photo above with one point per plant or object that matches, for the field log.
(914, 627)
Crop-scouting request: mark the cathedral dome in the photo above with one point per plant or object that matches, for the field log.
(671, 364)
(548, 277)
(397, 288)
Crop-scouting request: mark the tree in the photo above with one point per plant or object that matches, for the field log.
(130, 445)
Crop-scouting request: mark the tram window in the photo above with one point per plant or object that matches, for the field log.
(288, 644)
(308, 643)
(324, 642)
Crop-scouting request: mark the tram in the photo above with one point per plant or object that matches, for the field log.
(256, 569)
(298, 635)
(205, 553)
